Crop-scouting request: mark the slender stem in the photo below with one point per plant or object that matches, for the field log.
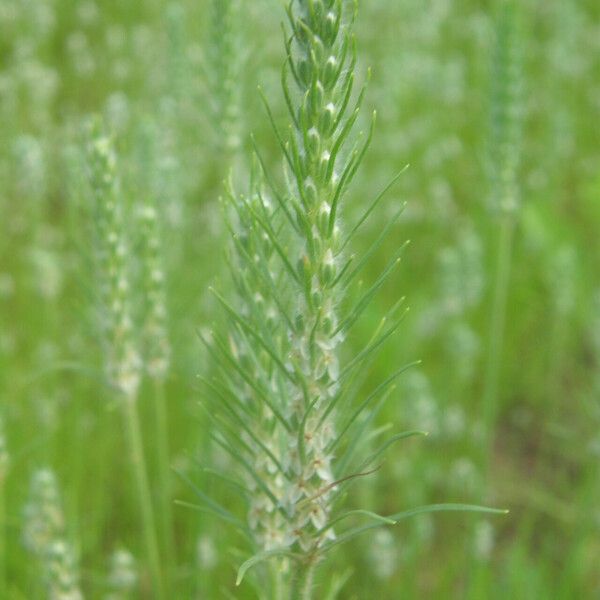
(277, 581)
(162, 446)
(302, 584)
(555, 358)
(496, 333)
(479, 569)
(2, 538)
(141, 478)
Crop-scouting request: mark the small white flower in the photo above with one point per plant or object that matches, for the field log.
(317, 515)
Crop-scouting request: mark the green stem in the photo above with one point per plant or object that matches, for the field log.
(496, 333)
(277, 581)
(162, 445)
(141, 478)
(302, 584)
(3, 590)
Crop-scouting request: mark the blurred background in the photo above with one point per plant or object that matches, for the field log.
(495, 110)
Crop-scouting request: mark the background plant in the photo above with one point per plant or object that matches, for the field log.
(122, 361)
(44, 535)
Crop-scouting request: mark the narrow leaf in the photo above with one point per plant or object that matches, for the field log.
(258, 558)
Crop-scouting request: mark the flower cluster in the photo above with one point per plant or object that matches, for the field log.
(223, 73)
(44, 536)
(285, 262)
(507, 108)
(158, 349)
(123, 362)
(122, 576)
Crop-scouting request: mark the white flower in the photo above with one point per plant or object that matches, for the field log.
(317, 515)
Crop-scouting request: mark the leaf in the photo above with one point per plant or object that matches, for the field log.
(206, 509)
(343, 270)
(257, 479)
(352, 386)
(429, 508)
(333, 485)
(258, 558)
(374, 246)
(265, 226)
(252, 331)
(248, 429)
(350, 169)
(337, 583)
(360, 433)
(274, 125)
(288, 63)
(248, 379)
(263, 274)
(366, 298)
(395, 438)
(224, 394)
(246, 492)
(365, 513)
(271, 184)
(298, 171)
(348, 84)
(366, 352)
(369, 210)
(353, 168)
(211, 506)
(381, 388)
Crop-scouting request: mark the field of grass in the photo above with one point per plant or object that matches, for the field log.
(128, 132)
